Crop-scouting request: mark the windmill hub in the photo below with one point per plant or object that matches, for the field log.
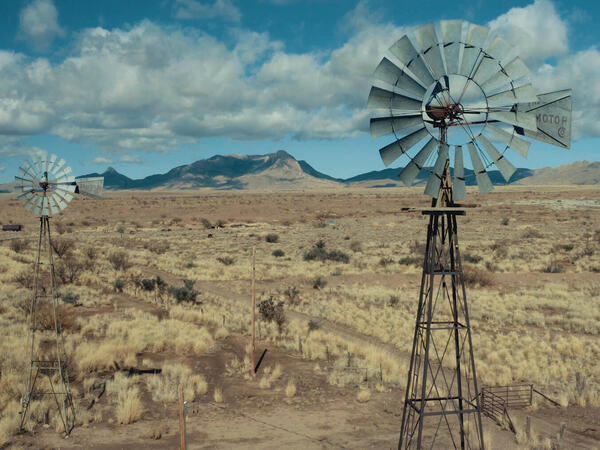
(459, 105)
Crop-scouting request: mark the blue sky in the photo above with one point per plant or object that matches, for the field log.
(145, 86)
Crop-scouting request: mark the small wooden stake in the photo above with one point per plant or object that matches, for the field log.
(253, 309)
(183, 444)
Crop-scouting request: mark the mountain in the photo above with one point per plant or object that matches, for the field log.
(579, 172)
(277, 170)
(280, 170)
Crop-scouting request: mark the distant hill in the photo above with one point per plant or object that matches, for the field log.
(280, 170)
(277, 170)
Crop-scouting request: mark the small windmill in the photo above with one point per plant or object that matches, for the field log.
(47, 187)
(454, 85)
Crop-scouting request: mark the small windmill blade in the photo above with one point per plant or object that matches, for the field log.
(411, 170)
(406, 53)
(553, 114)
(393, 151)
(522, 94)
(451, 36)
(381, 126)
(427, 41)
(383, 99)
(390, 73)
(514, 70)
(460, 190)
(483, 180)
(476, 37)
(525, 120)
(503, 165)
(435, 179)
(510, 139)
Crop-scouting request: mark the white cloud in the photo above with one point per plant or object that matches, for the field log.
(130, 159)
(194, 9)
(38, 24)
(102, 160)
(2, 168)
(536, 31)
(151, 87)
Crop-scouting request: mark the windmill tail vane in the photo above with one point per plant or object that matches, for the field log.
(454, 86)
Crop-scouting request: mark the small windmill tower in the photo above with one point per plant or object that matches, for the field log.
(47, 187)
(452, 86)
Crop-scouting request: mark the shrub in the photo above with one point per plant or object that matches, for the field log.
(363, 395)
(532, 233)
(68, 269)
(118, 285)
(278, 253)
(206, 223)
(505, 221)
(129, 406)
(272, 238)
(158, 247)
(385, 261)
(554, 267)
(313, 325)
(119, 261)
(18, 245)
(471, 258)
(290, 389)
(148, 285)
(319, 283)
(411, 260)
(291, 294)
(187, 293)
(62, 246)
(474, 276)
(24, 279)
(70, 297)
(272, 312)
(91, 253)
(394, 300)
(226, 260)
(319, 253)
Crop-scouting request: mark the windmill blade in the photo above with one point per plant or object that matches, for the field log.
(25, 197)
(428, 42)
(65, 195)
(30, 170)
(522, 94)
(521, 146)
(383, 99)
(58, 166)
(64, 180)
(91, 186)
(59, 201)
(460, 190)
(30, 204)
(51, 163)
(525, 120)
(476, 37)
(36, 165)
(27, 173)
(411, 170)
(483, 180)
(37, 209)
(553, 116)
(514, 70)
(390, 73)
(451, 36)
(503, 165)
(435, 179)
(25, 184)
(52, 205)
(409, 56)
(393, 151)
(381, 126)
(64, 172)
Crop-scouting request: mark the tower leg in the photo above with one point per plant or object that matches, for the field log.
(47, 350)
(441, 407)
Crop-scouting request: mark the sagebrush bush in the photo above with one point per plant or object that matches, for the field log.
(272, 238)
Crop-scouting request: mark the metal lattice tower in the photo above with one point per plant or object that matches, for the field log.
(47, 351)
(46, 188)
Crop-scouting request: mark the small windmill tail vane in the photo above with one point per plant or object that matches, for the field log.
(46, 188)
(453, 86)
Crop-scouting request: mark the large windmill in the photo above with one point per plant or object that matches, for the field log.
(453, 85)
(46, 188)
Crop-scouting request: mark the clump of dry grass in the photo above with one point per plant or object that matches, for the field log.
(129, 407)
(363, 395)
(290, 389)
(218, 394)
(164, 387)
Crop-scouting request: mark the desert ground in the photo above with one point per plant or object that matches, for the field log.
(339, 345)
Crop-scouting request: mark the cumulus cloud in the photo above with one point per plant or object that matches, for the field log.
(38, 24)
(102, 160)
(194, 9)
(536, 31)
(152, 88)
(130, 159)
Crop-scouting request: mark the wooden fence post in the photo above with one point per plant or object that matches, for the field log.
(183, 444)
(253, 309)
